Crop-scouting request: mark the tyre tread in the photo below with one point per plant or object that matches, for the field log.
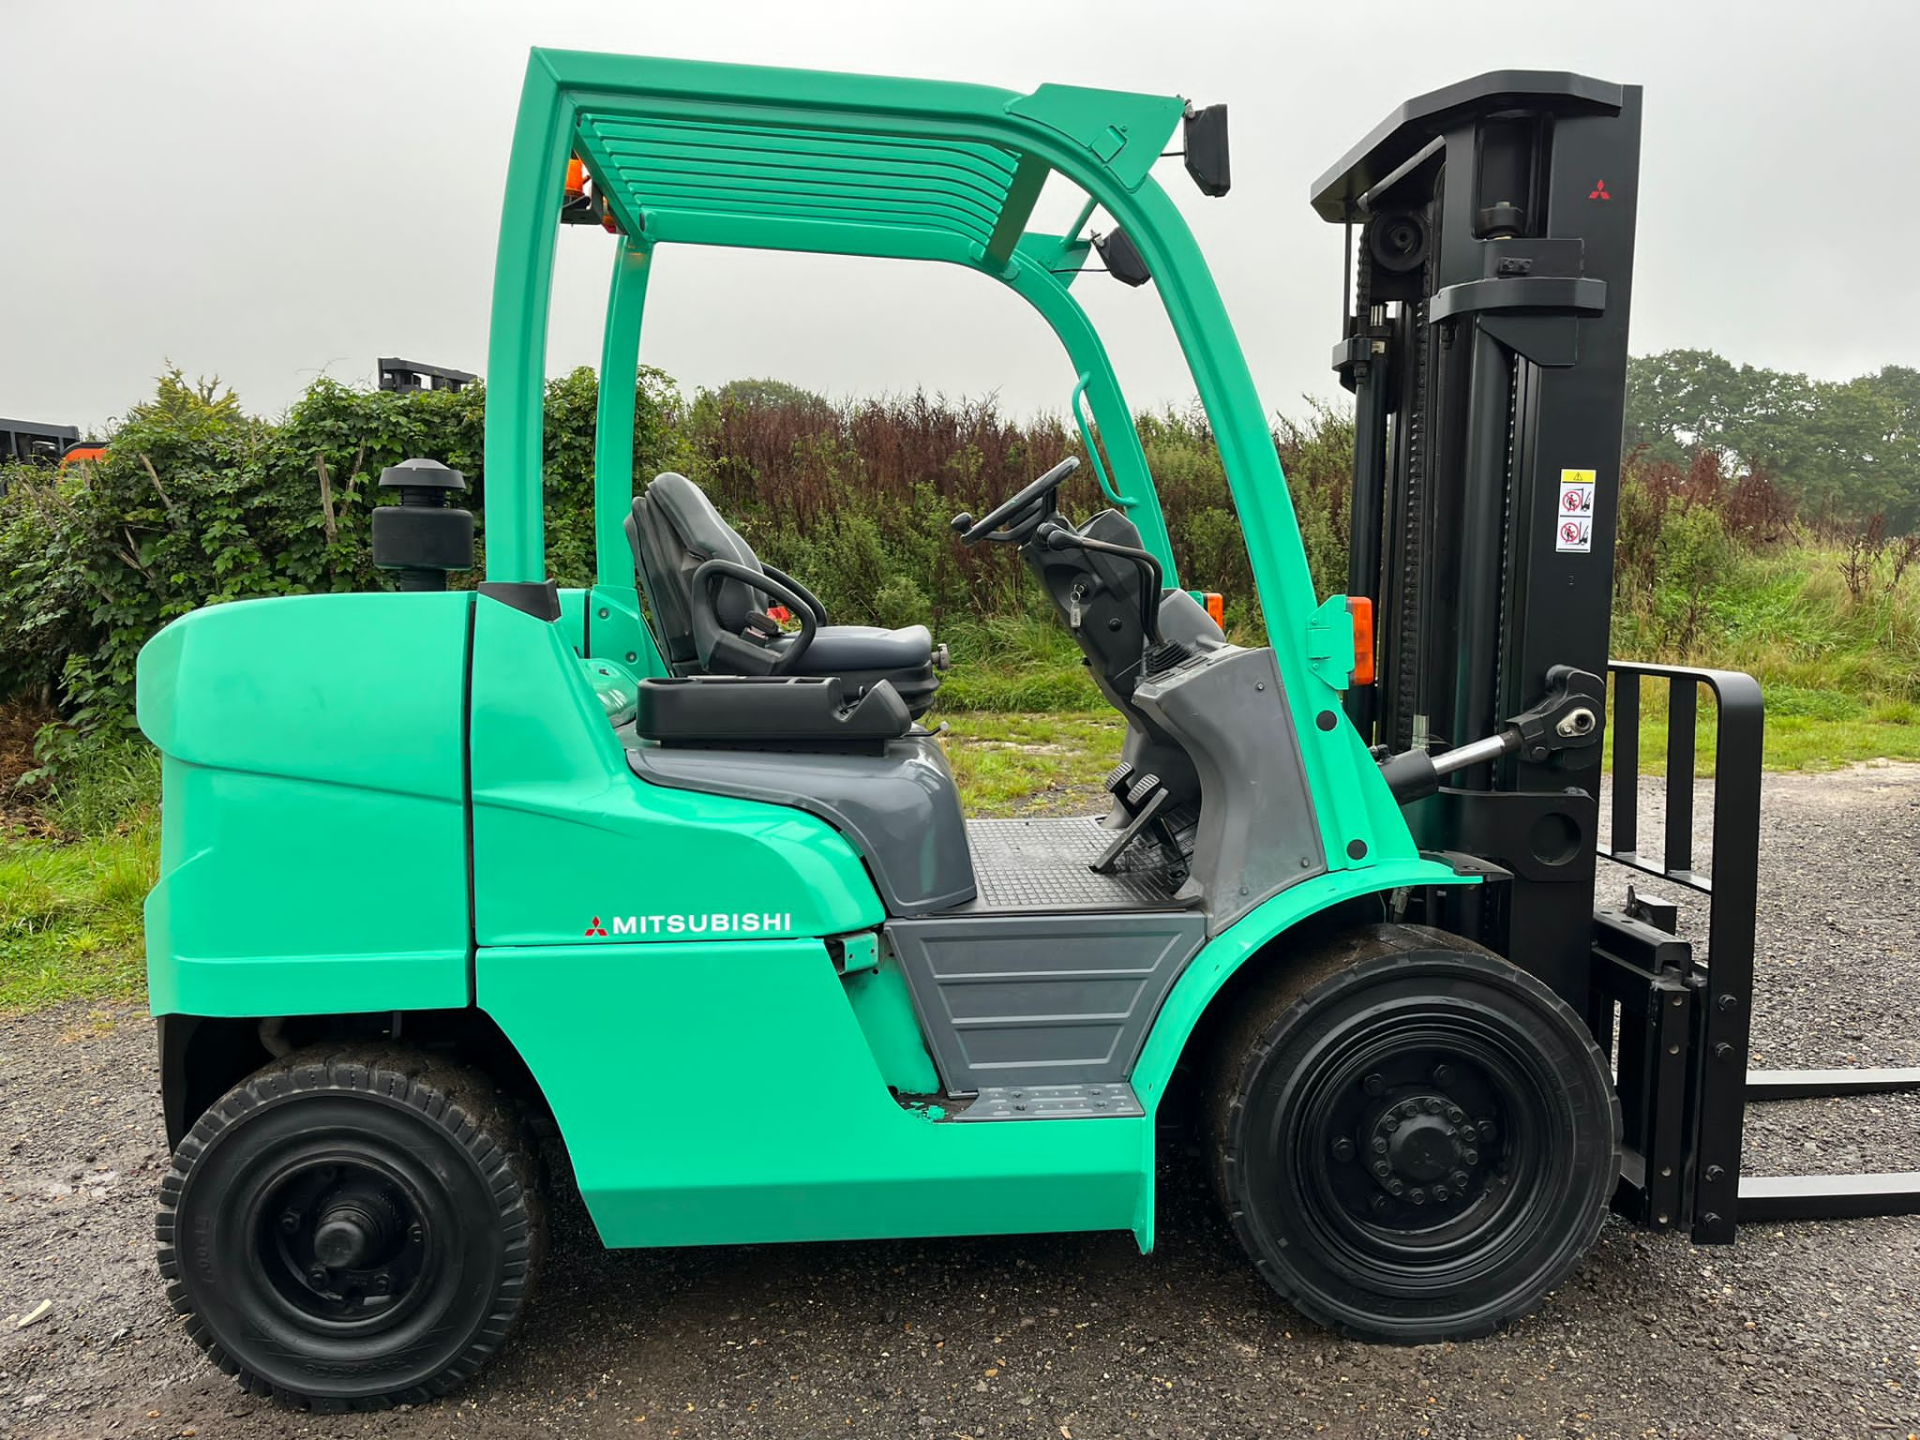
(457, 1099)
(1250, 1039)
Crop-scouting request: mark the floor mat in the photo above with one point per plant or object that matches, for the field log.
(1029, 865)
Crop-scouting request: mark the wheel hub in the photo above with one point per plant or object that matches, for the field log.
(358, 1227)
(1421, 1147)
(341, 1242)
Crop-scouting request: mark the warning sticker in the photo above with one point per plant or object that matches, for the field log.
(1575, 521)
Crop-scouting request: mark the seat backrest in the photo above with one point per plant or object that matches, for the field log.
(674, 530)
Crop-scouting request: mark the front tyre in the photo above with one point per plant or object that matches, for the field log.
(1415, 1139)
(351, 1229)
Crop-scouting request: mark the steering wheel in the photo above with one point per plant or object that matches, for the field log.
(996, 524)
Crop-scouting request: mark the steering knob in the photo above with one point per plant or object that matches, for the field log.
(961, 523)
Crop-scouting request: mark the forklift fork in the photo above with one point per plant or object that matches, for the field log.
(1681, 1036)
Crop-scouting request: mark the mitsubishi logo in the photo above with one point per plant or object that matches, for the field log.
(596, 928)
(1599, 191)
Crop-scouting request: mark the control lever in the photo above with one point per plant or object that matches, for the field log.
(1567, 719)
(1160, 654)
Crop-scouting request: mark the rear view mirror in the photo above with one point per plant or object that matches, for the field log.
(1123, 258)
(1206, 136)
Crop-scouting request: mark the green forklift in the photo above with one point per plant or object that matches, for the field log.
(692, 889)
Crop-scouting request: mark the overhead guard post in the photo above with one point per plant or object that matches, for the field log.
(613, 478)
(517, 345)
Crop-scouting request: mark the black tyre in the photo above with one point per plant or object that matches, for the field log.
(351, 1229)
(1415, 1140)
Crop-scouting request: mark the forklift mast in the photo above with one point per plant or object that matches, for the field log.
(1489, 268)
(1484, 338)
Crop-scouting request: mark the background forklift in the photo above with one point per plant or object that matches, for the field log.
(697, 886)
(28, 442)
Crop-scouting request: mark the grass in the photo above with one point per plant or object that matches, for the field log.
(70, 916)
(1019, 665)
(1806, 729)
(1030, 764)
(101, 785)
(1838, 662)
(1008, 764)
(75, 864)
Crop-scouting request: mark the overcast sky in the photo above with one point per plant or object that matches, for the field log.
(274, 191)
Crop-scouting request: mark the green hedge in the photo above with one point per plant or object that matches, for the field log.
(198, 502)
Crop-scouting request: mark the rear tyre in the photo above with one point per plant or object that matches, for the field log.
(350, 1230)
(1415, 1140)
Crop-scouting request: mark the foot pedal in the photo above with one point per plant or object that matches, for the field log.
(1179, 858)
(1141, 789)
(1117, 778)
(1142, 818)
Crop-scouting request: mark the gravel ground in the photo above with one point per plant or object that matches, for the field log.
(1806, 1330)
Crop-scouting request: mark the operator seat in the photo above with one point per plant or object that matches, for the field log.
(675, 529)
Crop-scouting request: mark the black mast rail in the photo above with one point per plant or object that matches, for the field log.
(1486, 349)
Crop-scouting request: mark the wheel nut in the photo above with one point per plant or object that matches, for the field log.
(1375, 1084)
(1379, 1144)
(383, 1284)
(1455, 1115)
(317, 1274)
(416, 1235)
(1343, 1149)
(1430, 1105)
(1417, 1195)
(1472, 1157)
(1396, 1187)
(1487, 1131)
(290, 1221)
(1459, 1178)
(1443, 1074)
(1382, 1169)
(1440, 1192)
(1379, 1203)
(1390, 1124)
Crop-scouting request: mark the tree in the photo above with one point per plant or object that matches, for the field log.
(1841, 450)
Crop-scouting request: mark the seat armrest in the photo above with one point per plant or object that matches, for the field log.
(767, 712)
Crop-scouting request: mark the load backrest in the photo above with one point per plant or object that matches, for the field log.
(674, 530)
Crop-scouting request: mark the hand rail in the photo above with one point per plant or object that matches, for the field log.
(1093, 450)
